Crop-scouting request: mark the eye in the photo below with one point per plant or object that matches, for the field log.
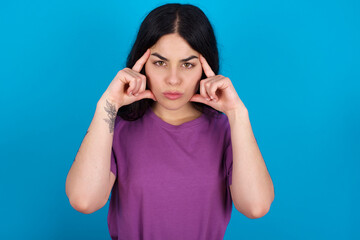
(159, 63)
(190, 65)
(162, 63)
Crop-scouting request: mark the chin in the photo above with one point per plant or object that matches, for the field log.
(171, 104)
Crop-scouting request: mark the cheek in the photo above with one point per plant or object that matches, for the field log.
(195, 77)
(196, 72)
(154, 75)
(149, 73)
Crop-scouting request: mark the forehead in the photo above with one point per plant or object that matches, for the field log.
(173, 46)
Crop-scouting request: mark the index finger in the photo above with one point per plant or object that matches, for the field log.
(141, 61)
(207, 69)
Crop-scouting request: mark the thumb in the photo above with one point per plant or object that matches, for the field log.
(198, 98)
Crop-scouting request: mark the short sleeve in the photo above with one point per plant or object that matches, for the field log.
(113, 164)
(228, 155)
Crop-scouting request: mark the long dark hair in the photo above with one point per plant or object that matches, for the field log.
(190, 23)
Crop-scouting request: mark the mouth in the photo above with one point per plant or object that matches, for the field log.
(172, 95)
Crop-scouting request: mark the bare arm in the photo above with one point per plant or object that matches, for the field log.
(252, 189)
(88, 181)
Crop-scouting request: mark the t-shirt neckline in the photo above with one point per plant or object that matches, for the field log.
(167, 125)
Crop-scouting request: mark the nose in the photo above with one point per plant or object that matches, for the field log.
(173, 77)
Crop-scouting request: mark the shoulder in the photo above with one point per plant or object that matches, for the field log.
(120, 123)
(123, 126)
(219, 118)
(218, 122)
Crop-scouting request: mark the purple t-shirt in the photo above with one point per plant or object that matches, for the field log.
(172, 182)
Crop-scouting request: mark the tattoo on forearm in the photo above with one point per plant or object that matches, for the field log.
(111, 110)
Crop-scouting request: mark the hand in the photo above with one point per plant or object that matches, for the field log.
(129, 85)
(218, 89)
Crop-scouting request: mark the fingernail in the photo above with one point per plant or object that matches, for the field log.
(211, 97)
(136, 94)
(130, 93)
(208, 99)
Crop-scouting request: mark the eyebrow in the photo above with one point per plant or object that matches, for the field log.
(165, 59)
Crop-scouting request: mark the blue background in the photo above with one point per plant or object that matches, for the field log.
(294, 64)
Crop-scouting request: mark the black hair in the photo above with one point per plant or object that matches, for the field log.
(190, 23)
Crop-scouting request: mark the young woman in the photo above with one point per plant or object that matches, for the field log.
(164, 136)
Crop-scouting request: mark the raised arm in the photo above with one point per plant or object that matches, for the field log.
(88, 181)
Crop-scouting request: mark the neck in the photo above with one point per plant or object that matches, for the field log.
(176, 115)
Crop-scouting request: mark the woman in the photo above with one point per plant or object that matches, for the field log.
(161, 141)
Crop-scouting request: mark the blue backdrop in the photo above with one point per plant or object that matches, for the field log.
(294, 64)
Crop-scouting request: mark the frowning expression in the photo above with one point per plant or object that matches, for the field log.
(173, 66)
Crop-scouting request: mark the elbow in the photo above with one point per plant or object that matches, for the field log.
(259, 212)
(254, 212)
(262, 209)
(77, 203)
(83, 206)
(80, 206)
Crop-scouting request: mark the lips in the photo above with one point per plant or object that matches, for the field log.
(169, 92)
(172, 95)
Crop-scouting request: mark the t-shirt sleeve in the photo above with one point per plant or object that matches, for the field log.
(113, 166)
(113, 163)
(228, 155)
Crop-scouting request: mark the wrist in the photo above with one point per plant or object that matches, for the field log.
(240, 112)
(106, 100)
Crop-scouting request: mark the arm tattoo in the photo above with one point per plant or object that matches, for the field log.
(111, 110)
